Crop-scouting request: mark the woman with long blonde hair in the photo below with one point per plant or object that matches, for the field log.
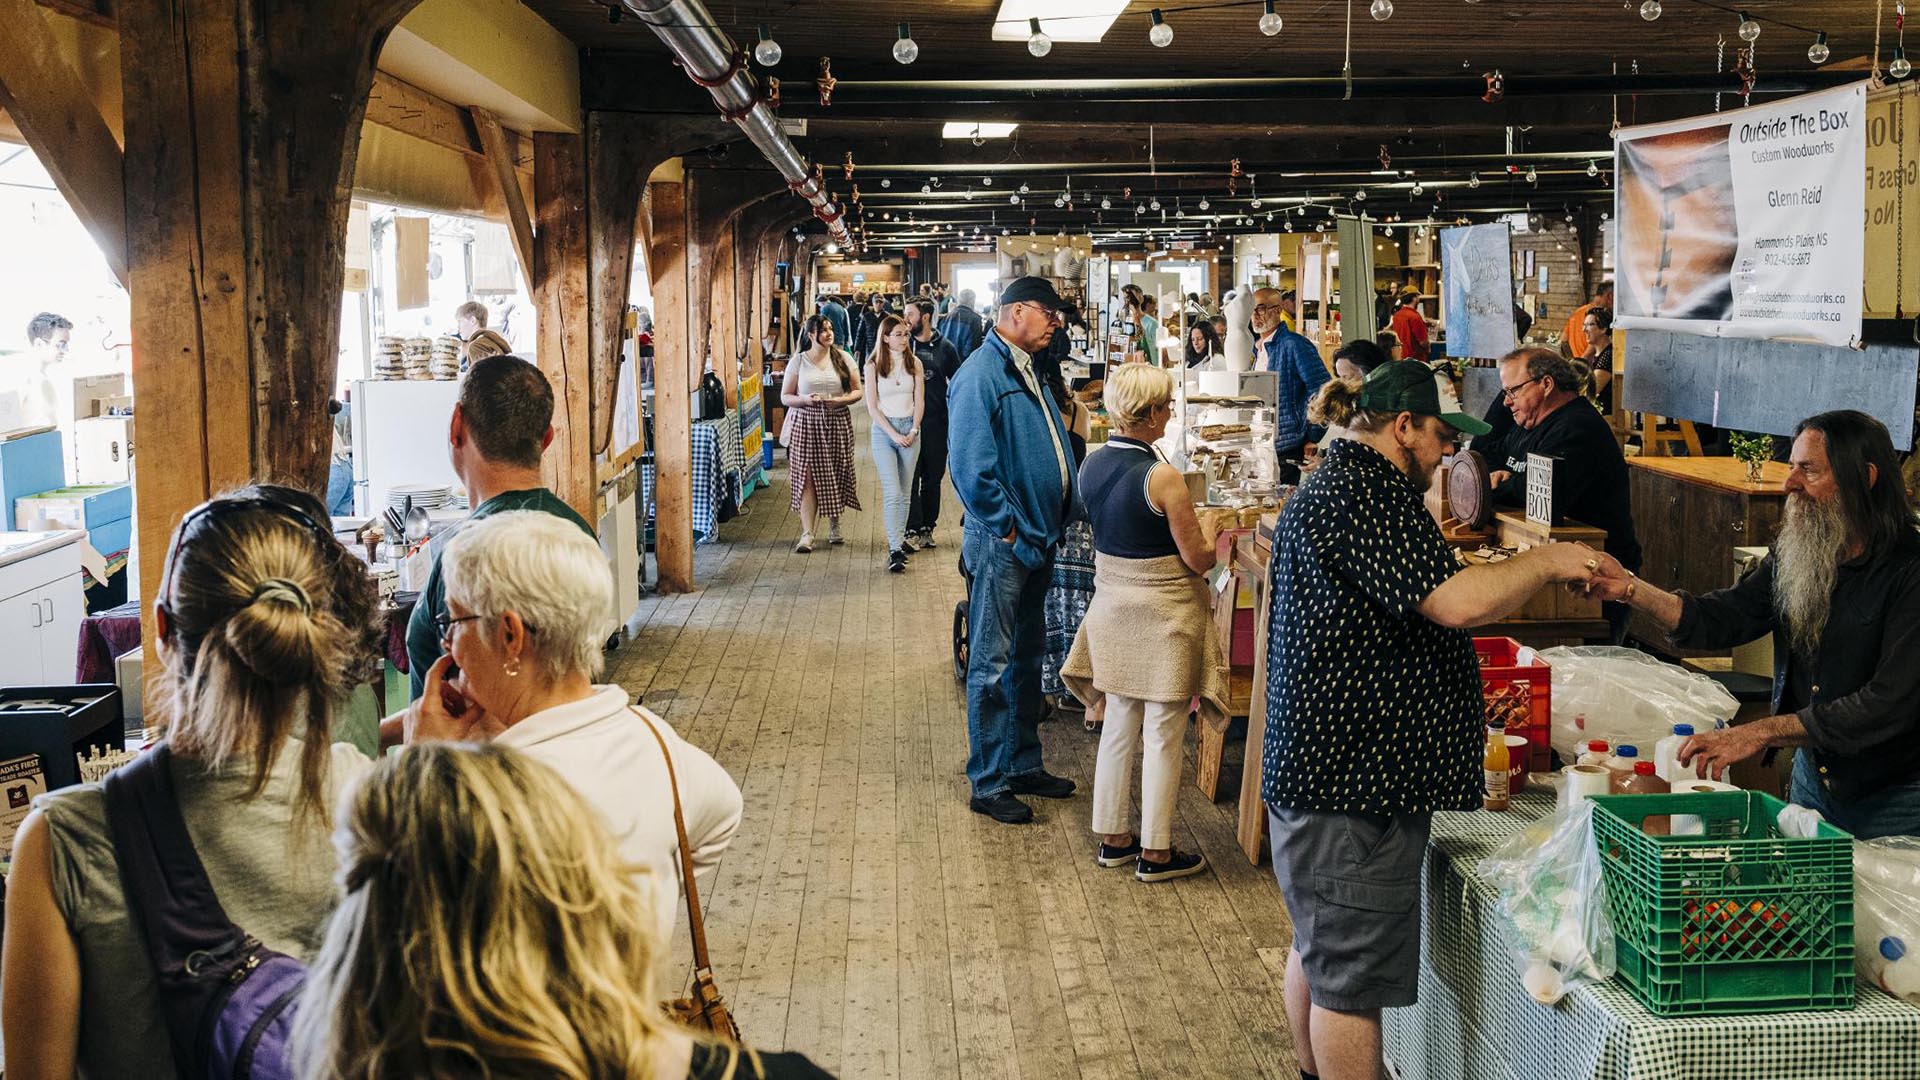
(490, 928)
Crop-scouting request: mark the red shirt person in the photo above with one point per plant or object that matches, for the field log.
(1410, 325)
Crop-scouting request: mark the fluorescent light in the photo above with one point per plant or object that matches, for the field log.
(1063, 20)
(964, 129)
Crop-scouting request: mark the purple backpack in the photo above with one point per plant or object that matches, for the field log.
(228, 1001)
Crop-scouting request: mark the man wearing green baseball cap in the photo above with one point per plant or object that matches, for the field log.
(1374, 708)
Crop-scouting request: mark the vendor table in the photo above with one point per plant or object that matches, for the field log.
(716, 474)
(1474, 1020)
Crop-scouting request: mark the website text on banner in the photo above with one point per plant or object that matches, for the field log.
(1747, 223)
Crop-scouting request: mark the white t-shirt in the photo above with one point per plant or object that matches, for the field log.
(894, 393)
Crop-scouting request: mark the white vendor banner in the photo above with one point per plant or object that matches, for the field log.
(1747, 223)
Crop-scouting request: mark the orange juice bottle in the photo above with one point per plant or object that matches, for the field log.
(1496, 763)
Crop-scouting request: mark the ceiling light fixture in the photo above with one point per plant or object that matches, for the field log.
(1382, 10)
(1270, 23)
(1650, 10)
(1473, 181)
(1818, 52)
(1593, 168)
(1748, 28)
(767, 52)
(905, 50)
(1160, 33)
(1038, 43)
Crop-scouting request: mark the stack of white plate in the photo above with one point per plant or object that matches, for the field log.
(444, 362)
(425, 496)
(387, 362)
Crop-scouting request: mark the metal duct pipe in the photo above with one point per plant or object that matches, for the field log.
(715, 62)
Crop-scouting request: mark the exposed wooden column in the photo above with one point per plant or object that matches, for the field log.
(48, 103)
(243, 122)
(667, 259)
(560, 289)
(715, 197)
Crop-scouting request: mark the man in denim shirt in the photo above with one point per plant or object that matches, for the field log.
(1301, 373)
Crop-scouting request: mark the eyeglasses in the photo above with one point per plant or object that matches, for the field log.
(1269, 307)
(445, 623)
(1507, 392)
(1046, 313)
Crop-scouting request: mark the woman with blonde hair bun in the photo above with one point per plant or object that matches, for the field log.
(490, 928)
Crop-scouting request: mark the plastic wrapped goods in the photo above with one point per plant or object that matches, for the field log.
(1886, 936)
(1626, 696)
(1554, 897)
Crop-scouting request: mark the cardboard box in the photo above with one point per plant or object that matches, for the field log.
(104, 510)
(103, 450)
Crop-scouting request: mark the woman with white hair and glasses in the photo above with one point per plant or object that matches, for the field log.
(530, 604)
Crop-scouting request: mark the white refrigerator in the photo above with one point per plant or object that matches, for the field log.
(399, 437)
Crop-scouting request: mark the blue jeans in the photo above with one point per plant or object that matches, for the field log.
(1007, 633)
(1893, 811)
(895, 464)
(340, 488)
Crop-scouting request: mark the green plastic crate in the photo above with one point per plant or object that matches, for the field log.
(1738, 920)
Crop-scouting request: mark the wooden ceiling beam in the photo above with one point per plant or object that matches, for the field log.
(50, 106)
(506, 186)
(409, 110)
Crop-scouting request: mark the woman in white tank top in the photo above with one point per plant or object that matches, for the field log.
(896, 399)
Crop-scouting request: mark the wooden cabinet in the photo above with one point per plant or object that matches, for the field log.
(1689, 514)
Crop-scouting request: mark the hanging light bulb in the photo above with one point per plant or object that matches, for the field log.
(1270, 22)
(1900, 68)
(1180, 212)
(978, 139)
(986, 181)
(926, 189)
(1418, 189)
(1818, 52)
(1533, 177)
(1160, 33)
(1473, 181)
(1593, 169)
(1360, 196)
(885, 183)
(1748, 28)
(1382, 10)
(1650, 10)
(1059, 201)
(1139, 209)
(1153, 203)
(1023, 189)
(905, 50)
(767, 52)
(1204, 204)
(1014, 199)
(1289, 225)
(1038, 43)
(1106, 203)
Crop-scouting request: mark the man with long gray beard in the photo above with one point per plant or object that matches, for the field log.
(1841, 592)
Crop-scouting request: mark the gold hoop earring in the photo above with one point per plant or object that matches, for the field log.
(513, 672)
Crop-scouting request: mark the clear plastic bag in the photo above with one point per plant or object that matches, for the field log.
(1886, 910)
(1554, 897)
(1626, 696)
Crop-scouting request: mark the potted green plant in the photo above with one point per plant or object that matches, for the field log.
(1753, 450)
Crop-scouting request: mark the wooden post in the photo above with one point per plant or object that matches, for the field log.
(560, 292)
(50, 106)
(242, 128)
(505, 181)
(672, 390)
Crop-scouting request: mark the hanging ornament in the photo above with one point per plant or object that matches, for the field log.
(1496, 87)
(826, 82)
(847, 165)
(1233, 177)
(1386, 159)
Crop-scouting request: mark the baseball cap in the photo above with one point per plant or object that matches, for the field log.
(1407, 386)
(1031, 290)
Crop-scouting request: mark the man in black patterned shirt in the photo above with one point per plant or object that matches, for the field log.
(1374, 707)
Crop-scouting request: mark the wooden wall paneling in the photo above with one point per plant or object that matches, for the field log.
(49, 104)
(238, 179)
(506, 185)
(669, 258)
(560, 299)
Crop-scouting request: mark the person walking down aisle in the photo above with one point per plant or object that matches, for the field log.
(265, 624)
(1012, 471)
(896, 402)
(1147, 646)
(834, 310)
(491, 927)
(1374, 707)
(963, 326)
(818, 434)
(502, 423)
(939, 362)
(1410, 326)
(1297, 362)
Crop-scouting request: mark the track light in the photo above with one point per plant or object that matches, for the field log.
(1270, 22)
(904, 49)
(1038, 43)
(767, 51)
(1160, 33)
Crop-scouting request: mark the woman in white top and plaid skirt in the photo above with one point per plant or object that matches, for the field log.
(819, 385)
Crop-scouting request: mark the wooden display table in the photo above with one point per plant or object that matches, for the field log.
(1692, 513)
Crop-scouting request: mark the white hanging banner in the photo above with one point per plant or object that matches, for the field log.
(1748, 223)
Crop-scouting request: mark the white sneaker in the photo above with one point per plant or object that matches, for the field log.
(833, 535)
(805, 545)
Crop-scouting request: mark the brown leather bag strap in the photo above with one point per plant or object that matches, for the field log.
(694, 921)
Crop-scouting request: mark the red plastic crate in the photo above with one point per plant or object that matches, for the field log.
(1517, 689)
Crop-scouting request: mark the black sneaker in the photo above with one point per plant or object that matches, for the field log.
(926, 538)
(1003, 808)
(1111, 856)
(1042, 783)
(1179, 864)
(896, 562)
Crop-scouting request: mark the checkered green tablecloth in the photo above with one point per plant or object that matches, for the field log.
(1474, 1022)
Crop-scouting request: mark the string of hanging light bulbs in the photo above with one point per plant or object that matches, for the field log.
(906, 50)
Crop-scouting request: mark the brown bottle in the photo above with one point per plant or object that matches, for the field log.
(1645, 780)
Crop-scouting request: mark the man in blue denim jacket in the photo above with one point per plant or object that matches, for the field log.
(1013, 470)
(1301, 372)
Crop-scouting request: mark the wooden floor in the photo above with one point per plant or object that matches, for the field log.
(863, 915)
